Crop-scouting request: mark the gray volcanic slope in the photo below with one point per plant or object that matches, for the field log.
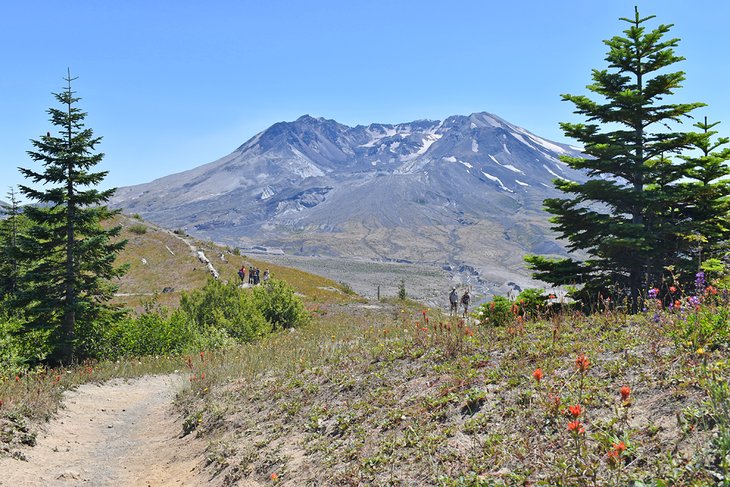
(463, 195)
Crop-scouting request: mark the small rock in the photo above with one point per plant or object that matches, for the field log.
(69, 475)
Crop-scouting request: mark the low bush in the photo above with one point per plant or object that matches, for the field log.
(138, 229)
(279, 305)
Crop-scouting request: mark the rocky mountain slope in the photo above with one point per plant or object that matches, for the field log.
(464, 194)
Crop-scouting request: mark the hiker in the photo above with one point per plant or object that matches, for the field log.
(256, 274)
(465, 298)
(266, 276)
(454, 300)
(242, 273)
(250, 275)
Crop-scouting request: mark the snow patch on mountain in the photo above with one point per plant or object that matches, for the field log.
(267, 193)
(498, 181)
(554, 173)
(474, 145)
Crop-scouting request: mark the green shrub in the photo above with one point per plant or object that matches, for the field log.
(281, 307)
(531, 303)
(497, 312)
(226, 307)
(21, 351)
(402, 290)
(138, 229)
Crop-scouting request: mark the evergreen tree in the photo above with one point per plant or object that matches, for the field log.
(633, 217)
(9, 228)
(68, 256)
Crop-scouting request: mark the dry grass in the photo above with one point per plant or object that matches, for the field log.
(387, 397)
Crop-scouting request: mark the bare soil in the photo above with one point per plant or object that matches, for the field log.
(121, 433)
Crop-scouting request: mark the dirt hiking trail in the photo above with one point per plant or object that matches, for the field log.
(119, 433)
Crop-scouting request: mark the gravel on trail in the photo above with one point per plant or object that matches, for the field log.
(117, 433)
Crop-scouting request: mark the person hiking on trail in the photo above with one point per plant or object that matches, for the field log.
(454, 301)
(256, 276)
(465, 298)
(266, 275)
(242, 273)
(250, 275)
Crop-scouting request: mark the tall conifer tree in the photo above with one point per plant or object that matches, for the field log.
(68, 256)
(9, 228)
(634, 216)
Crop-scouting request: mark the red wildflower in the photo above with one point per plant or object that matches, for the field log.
(576, 427)
(575, 411)
(619, 447)
(672, 289)
(625, 392)
(17, 378)
(202, 356)
(582, 363)
(537, 375)
(274, 477)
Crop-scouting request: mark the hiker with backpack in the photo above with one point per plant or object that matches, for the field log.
(465, 298)
(454, 301)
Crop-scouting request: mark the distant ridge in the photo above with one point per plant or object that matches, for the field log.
(462, 193)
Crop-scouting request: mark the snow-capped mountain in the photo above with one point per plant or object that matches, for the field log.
(468, 189)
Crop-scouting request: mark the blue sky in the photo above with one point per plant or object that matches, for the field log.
(171, 85)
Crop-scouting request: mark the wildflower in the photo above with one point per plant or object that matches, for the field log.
(653, 293)
(274, 477)
(202, 356)
(189, 362)
(711, 290)
(576, 427)
(619, 447)
(613, 457)
(551, 296)
(700, 351)
(625, 392)
(537, 375)
(575, 410)
(17, 378)
(700, 282)
(582, 363)
(672, 289)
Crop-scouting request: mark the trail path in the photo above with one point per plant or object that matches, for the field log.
(120, 433)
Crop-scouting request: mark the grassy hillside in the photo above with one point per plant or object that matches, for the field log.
(398, 396)
(162, 264)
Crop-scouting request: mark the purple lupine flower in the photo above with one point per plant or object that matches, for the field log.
(653, 292)
(700, 282)
(694, 301)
